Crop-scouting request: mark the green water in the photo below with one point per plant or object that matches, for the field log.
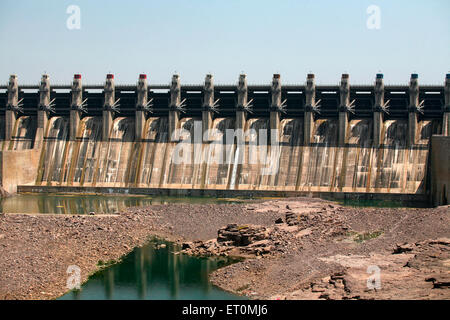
(150, 272)
(83, 204)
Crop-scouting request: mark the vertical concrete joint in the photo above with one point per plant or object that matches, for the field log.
(344, 106)
(208, 106)
(446, 122)
(44, 106)
(141, 105)
(109, 106)
(242, 92)
(275, 91)
(13, 92)
(174, 107)
(12, 106)
(275, 106)
(44, 92)
(76, 106)
(413, 109)
(243, 105)
(310, 104)
(378, 108)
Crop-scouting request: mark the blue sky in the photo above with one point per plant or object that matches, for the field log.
(225, 37)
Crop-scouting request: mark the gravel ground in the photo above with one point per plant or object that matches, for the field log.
(318, 258)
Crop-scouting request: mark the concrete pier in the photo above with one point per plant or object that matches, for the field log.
(446, 119)
(11, 106)
(275, 106)
(344, 94)
(207, 118)
(413, 109)
(174, 107)
(208, 106)
(44, 109)
(242, 106)
(310, 103)
(44, 102)
(141, 105)
(378, 110)
(10, 120)
(75, 107)
(108, 106)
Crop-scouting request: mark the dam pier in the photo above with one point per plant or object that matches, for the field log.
(342, 141)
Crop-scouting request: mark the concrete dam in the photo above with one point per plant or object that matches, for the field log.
(371, 141)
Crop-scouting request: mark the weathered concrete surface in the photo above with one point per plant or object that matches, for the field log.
(343, 128)
(106, 124)
(10, 120)
(308, 124)
(377, 125)
(74, 124)
(446, 124)
(412, 128)
(18, 167)
(440, 170)
(207, 119)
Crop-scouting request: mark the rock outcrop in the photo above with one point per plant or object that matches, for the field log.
(241, 239)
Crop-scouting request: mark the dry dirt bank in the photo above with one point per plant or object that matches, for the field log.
(316, 250)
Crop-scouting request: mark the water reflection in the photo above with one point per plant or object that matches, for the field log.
(83, 204)
(155, 273)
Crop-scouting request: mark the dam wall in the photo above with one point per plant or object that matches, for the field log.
(18, 167)
(440, 170)
(239, 139)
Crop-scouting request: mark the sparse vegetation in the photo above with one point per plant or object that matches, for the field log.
(360, 237)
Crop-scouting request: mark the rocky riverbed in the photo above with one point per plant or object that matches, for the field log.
(293, 248)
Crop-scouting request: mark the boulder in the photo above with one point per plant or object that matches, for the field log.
(405, 247)
(241, 235)
(187, 245)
